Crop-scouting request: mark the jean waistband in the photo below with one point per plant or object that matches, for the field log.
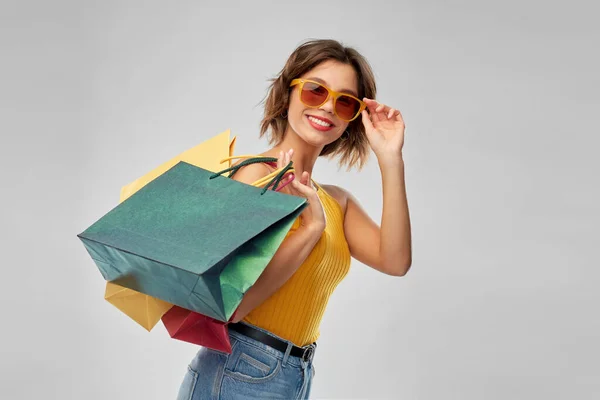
(297, 361)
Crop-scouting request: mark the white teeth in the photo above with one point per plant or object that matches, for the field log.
(319, 122)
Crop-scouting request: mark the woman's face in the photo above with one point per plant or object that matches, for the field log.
(320, 126)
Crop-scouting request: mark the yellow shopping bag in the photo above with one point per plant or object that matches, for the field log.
(144, 309)
(206, 155)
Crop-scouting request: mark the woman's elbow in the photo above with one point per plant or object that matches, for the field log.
(399, 268)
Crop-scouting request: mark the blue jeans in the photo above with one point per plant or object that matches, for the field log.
(253, 370)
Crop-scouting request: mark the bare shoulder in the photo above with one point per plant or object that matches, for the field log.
(341, 195)
(251, 173)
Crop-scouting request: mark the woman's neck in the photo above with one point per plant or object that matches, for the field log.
(305, 155)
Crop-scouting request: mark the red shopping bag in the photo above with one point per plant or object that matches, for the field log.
(196, 328)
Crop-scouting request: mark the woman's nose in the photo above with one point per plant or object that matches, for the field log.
(328, 105)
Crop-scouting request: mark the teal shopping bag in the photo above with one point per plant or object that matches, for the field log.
(193, 238)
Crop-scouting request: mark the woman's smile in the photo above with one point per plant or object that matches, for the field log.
(319, 123)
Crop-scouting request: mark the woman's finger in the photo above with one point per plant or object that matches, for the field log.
(302, 189)
(306, 179)
(375, 109)
(371, 104)
(367, 122)
(399, 117)
(288, 179)
(280, 160)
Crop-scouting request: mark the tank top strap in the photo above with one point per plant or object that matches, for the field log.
(316, 185)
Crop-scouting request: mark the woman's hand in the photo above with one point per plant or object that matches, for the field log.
(384, 128)
(313, 216)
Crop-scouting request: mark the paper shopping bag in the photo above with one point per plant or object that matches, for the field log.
(192, 239)
(140, 307)
(196, 328)
(143, 309)
(207, 155)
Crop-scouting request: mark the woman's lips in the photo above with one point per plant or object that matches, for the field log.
(318, 125)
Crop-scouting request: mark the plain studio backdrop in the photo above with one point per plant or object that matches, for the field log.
(501, 170)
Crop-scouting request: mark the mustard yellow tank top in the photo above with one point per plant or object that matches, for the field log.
(294, 312)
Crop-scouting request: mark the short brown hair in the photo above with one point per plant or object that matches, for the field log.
(354, 149)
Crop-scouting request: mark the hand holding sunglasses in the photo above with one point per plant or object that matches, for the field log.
(384, 127)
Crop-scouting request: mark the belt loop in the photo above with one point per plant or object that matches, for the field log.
(287, 354)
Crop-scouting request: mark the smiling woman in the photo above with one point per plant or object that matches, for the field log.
(334, 66)
(321, 104)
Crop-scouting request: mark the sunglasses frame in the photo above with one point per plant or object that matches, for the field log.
(330, 93)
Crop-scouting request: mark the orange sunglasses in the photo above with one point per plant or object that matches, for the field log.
(315, 94)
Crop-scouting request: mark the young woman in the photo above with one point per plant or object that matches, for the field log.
(321, 104)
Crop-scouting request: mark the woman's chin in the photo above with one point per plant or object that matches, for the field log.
(317, 139)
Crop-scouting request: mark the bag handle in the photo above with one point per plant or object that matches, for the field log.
(273, 179)
(267, 160)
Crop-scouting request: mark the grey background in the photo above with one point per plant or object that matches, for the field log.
(501, 164)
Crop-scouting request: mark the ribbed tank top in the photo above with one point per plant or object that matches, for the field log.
(295, 310)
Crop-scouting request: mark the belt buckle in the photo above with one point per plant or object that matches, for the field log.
(309, 353)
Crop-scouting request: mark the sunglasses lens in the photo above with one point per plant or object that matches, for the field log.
(313, 94)
(347, 107)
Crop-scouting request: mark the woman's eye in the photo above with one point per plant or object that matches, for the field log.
(345, 101)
